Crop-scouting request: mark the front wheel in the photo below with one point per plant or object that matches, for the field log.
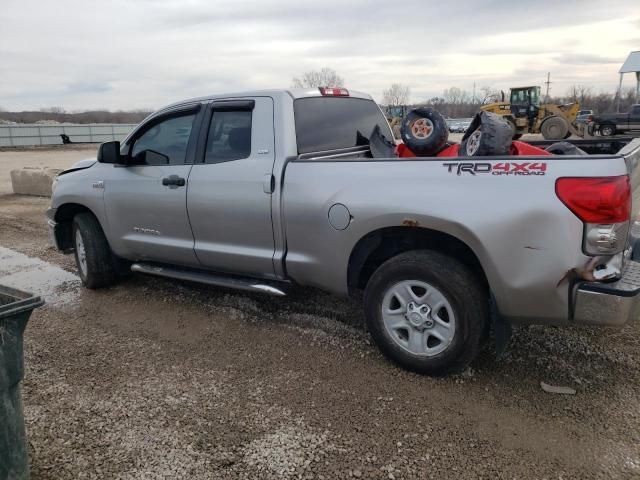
(554, 128)
(426, 311)
(93, 254)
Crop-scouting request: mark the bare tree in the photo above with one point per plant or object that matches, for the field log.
(398, 94)
(579, 93)
(326, 77)
(53, 110)
(456, 96)
(489, 94)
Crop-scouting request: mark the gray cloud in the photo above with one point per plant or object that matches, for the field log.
(585, 59)
(146, 53)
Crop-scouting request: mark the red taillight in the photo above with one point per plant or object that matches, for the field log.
(590, 118)
(602, 200)
(333, 92)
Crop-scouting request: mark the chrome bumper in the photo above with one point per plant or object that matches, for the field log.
(609, 304)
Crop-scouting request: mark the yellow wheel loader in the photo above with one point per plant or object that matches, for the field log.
(555, 122)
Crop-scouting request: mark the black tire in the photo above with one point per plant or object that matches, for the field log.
(98, 270)
(488, 134)
(457, 284)
(512, 121)
(554, 128)
(564, 148)
(424, 131)
(607, 130)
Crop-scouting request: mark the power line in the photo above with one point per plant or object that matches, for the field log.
(547, 83)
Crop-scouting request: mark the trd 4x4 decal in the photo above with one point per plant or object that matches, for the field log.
(502, 168)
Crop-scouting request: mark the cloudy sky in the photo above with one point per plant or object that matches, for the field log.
(126, 54)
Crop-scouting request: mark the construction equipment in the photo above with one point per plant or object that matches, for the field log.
(395, 114)
(524, 110)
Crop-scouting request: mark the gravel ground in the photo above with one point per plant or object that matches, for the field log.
(156, 379)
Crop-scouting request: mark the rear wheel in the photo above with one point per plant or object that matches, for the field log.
(607, 130)
(426, 311)
(554, 128)
(93, 255)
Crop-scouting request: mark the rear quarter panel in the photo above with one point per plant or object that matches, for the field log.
(525, 238)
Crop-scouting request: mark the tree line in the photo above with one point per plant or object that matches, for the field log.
(457, 103)
(454, 102)
(58, 114)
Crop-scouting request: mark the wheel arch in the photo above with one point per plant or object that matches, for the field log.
(380, 245)
(64, 219)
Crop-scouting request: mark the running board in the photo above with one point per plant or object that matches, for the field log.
(237, 283)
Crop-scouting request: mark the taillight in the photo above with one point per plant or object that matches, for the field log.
(333, 92)
(590, 118)
(604, 205)
(596, 199)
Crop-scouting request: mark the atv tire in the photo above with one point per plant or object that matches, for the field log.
(488, 134)
(424, 131)
(564, 148)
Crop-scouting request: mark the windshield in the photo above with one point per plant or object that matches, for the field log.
(332, 123)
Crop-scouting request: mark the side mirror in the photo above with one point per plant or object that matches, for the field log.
(109, 152)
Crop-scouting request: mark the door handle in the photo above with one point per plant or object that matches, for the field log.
(174, 180)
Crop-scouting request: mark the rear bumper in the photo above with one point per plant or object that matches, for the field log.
(609, 304)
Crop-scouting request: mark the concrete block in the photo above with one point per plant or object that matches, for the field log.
(33, 181)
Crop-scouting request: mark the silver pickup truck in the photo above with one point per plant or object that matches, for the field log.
(266, 189)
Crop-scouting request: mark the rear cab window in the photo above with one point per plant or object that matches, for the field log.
(335, 123)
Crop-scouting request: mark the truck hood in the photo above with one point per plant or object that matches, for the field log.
(80, 165)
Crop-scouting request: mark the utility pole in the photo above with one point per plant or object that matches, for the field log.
(473, 100)
(547, 83)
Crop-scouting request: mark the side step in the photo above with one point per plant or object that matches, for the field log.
(198, 276)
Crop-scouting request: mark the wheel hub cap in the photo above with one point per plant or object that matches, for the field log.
(418, 317)
(82, 254)
(422, 128)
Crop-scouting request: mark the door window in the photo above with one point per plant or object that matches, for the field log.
(164, 143)
(229, 136)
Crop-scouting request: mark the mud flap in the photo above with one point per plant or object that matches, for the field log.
(501, 329)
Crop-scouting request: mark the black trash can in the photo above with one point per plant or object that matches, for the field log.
(15, 310)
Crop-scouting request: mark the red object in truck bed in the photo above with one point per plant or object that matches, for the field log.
(517, 148)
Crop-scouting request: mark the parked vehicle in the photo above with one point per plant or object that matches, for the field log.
(584, 117)
(266, 189)
(458, 125)
(607, 124)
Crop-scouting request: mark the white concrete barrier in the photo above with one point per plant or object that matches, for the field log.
(33, 181)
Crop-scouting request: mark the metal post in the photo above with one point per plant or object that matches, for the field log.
(619, 93)
(637, 87)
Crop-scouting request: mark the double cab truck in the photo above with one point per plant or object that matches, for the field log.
(266, 190)
(608, 124)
